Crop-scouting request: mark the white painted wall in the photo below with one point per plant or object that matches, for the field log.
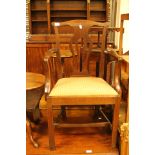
(122, 8)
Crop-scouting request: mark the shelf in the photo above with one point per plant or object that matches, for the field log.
(70, 0)
(39, 29)
(97, 10)
(64, 11)
(38, 5)
(37, 20)
(58, 19)
(68, 5)
(98, 5)
(39, 16)
(39, 9)
(98, 16)
(68, 9)
(69, 16)
(42, 13)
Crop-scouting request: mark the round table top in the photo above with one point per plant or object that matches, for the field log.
(34, 80)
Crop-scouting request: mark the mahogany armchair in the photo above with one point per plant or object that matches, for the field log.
(81, 88)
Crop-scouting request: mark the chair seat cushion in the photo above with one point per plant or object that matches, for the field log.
(82, 86)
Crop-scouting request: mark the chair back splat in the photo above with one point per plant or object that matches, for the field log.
(81, 44)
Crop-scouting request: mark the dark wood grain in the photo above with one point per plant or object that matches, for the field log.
(34, 57)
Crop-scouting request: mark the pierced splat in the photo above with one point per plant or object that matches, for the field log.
(81, 44)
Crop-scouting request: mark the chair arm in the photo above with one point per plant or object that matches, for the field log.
(117, 79)
(49, 71)
(113, 52)
(117, 70)
(113, 75)
(49, 54)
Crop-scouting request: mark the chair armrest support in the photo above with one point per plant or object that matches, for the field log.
(117, 79)
(113, 75)
(49, 71)
(117, 71)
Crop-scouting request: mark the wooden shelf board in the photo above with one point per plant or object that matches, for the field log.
(62, 10)
(71, 0)
(68, 9)
(98, 10)
(39, 9)
(68, 16)
(39, 20)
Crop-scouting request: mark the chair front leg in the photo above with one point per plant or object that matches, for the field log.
(115, 122)
(51, 127)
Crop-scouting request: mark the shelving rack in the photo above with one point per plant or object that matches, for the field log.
(43, 12)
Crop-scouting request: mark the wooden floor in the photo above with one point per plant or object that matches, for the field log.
(71, 140)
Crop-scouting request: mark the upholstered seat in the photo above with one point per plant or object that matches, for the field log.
(82, 86)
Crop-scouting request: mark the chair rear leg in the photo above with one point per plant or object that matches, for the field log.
(96, 112)
(63, 112)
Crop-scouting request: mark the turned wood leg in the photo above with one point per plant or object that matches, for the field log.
(51, 127)
(115, 122)
(28, 127)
